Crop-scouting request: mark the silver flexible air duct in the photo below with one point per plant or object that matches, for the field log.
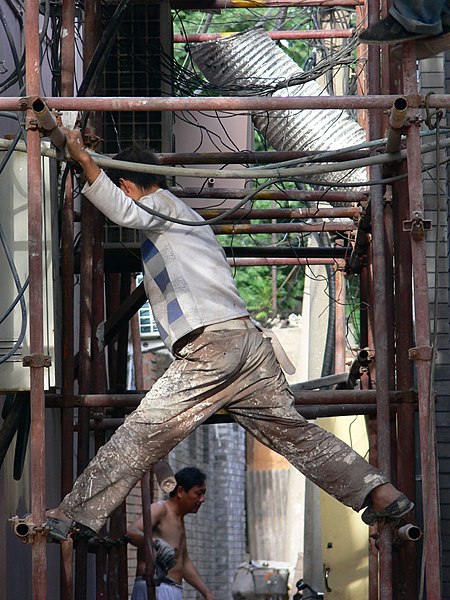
(249, 62)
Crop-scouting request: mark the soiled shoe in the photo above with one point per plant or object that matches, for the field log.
(388, 31)
(58, 529)
(396, 510)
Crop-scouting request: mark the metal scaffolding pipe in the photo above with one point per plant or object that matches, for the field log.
(35, 264)
(260, 262)
(304, 34)
(396, 123)
(286, 195)
(254, 103)
(302, 398)
(379, 314)
(237, 229)
(404, 341)
(351, 212)
(67, 300)
(422, 354)
(214, 4)
(309, 412)
(47, 122)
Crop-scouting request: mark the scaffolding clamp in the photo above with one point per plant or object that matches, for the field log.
(421, 353)
(25, 529)
(417, 225)
(37, 360)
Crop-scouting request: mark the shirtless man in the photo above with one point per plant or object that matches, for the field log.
(168, 525)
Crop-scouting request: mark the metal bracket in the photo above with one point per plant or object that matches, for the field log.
(421, 353)
(25, 529)
(417, 225)
(37, 360)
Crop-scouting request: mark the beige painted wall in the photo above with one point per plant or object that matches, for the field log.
(344, 535)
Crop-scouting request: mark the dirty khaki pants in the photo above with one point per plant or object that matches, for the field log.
(233, 370)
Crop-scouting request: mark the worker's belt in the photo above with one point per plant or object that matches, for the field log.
(244, 323)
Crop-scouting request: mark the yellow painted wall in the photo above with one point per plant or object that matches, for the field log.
(344, 535)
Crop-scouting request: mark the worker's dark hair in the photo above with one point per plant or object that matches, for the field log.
(143, 180)
(187, 478)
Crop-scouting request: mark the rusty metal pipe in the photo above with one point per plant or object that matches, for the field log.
(286, 195)
(211, 4)
(261, 262)
(410, 533)
(302, 397)
(309, 412)
(171, 103)
(47, 122)
(236, 229)
(396, 123)
(285, 213)
(305, 34)
(423, 357)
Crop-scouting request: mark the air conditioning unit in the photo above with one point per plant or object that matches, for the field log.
(14, 272)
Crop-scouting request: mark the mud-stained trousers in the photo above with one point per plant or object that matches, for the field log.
(233, 370)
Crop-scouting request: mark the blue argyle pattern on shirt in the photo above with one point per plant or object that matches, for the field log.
(165, 304)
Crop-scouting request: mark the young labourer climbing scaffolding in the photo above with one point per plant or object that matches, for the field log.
(222, 362)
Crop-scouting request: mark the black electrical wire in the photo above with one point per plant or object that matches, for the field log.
(12, 47)
(23, 307)
(10, 150)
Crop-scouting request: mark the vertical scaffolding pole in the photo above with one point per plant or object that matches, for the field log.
(422, 353)
(380, 307)
(382, 375)
(37, 397)
(340, 324)
(67, 279)
(407, 585)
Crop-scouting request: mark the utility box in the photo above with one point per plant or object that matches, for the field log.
(15, 310)
(260, 579)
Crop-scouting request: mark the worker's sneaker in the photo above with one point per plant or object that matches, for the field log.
(58, 529)
(395, 511)
(388, 31)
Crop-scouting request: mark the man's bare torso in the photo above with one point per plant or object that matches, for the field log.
(169, 527)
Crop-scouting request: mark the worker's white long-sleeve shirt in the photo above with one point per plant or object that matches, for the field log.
(186, 276)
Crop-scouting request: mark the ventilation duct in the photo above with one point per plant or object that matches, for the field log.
(251, 63)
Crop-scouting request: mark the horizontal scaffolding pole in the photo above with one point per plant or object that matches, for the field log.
(211, 4)
(280, 262)
(170, 103)
(286, 195)
(285, 213)
(304, 34)
(302, 398)
(251, 228)
(309, 412)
